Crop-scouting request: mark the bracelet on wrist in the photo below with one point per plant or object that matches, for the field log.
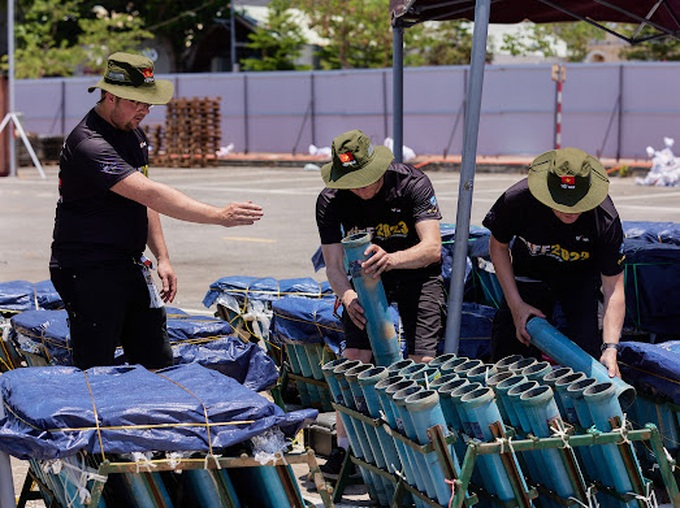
(609, 345)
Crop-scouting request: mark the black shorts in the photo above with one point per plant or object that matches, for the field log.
(422, 311)
(108, 306)
(573, 308)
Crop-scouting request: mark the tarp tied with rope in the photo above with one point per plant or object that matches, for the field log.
(199, 339)
(55, 412)
(22, 295)
(661, 17)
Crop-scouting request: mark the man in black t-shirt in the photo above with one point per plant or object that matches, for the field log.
(106, 216)
(556, 238)
(367, 192)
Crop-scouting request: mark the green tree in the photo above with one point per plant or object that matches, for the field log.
(661, 49)
(544, 40)
(440, 43)
(279, 42)
(53, 38)
(358, 32)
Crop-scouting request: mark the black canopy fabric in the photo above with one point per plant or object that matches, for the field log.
(660, 15)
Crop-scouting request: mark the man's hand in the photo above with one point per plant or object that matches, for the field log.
(609, 360)
(520, 315)
(168, 278)
(240, 214)
(377, 262)
(350, 301)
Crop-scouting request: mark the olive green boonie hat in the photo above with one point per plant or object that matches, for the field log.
(568, 180)
(355, 162)
(131, 77)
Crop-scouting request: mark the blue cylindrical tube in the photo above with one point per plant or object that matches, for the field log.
(479, 374)
(369, 431)
(536, 371)
(399, 364)
(603, 404)
(371, 293)
(437, 361)
(426, 376)
(388, 412)
(565, 352)
(521, 364)
(591, 456)
(505, 362)
(425, 412)
(451, 364)
(406, 427)
(513, 395)
(501, 390)
(541, 409)
(481, 412)
(442, 379)
(367, 381)
(462, 369)
(450, 413)
(564, 401)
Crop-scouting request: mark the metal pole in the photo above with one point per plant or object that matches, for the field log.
(232, 35)
(7, 499)
(10, 86)
(467, 175)
(619, 130)
(398, 89)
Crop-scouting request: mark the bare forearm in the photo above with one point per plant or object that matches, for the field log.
(155, 237)
(614, 310)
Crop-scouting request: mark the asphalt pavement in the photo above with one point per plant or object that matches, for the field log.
(280, 245)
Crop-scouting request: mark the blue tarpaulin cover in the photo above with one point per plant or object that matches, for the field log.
(21, 295)
(652, 269)
(53, 412)
(306, 320)
(313, 321)
(654, 369)
(200, 339)
(265, 289)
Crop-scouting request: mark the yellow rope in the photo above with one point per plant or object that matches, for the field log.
(96, 417)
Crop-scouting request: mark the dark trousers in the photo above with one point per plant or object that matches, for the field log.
(572, 307)
(108, 306)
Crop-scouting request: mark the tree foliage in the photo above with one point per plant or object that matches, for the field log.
(661, 49)
(545, 39)
(358, 32)
(279, 42)
(53, 38)
(440, 43)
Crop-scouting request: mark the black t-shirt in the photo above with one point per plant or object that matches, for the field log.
(92, 223)
(546, 249)
(406, 198)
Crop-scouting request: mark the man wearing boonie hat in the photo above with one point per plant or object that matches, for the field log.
(108, 213)
(367, 192)
(557, 242)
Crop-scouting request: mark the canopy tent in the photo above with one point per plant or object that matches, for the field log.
(661, 16)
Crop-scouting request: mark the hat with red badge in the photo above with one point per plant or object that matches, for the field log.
(356, 162)
(568, 180)
(131, 77)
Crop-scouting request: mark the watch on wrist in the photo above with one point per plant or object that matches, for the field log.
(609, 345)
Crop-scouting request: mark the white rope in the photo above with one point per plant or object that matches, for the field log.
(649, 498)
(503, 441)
(142, 462)
(208, 458)
(560, 431)
(623, 430)
(590, 498)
